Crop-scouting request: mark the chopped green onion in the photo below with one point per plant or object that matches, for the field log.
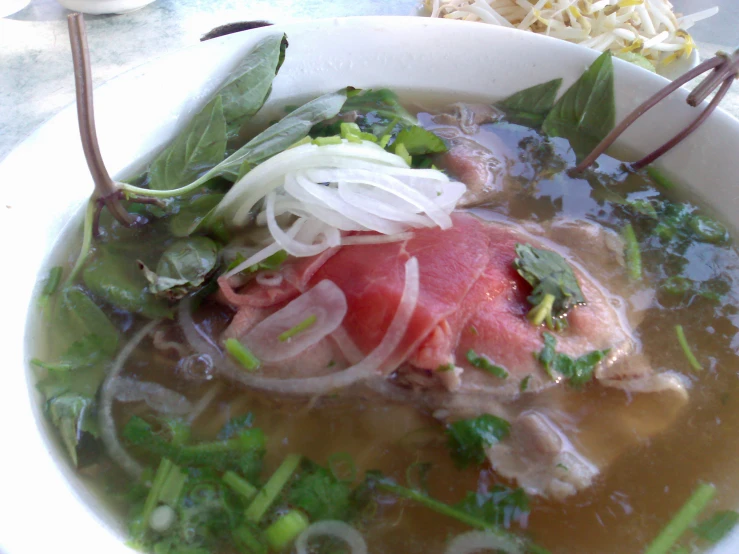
(166, 484)
(325, 141)
(242, 354)
(248, 540)
(302, 326)
(240, 485)
(445, 367)
(525, 383)
(632, 253)
(481, 362)
(50, 285)
(682, 520)
(402, 151)
(384, 140)
(694, 363)
(473, 330)
(542, 311)
(715, 528)
(301, 142)
(707, 229)
(267, 494)
(285, 530)
(342, 461)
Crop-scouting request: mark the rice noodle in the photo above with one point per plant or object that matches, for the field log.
(649, 27)
(156, 396)
(200, 342)
(108, 432)
(476, 541)
(337, 529)
(366, 368)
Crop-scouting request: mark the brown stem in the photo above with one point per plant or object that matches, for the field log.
(646, 160)
(730, 68)
(104, 185)
(641, 110)
(99, 205)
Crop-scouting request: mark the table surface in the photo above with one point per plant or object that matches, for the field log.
(36, 78)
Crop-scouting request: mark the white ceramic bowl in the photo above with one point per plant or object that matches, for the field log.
(100, 7)
(44, 183)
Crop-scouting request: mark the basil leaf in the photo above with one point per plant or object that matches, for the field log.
(586, 113)
(119, 282)
(199, 147)
(182, 268)
(531, 106)
(276, 138)
(244, 95)
(715, 528)
(69, 412)
(78, 317)
(193, 215)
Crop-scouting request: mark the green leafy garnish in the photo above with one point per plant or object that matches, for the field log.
(531, 106)
(715, 528)
(632, 253)
(194, 215)
(468, 438)
(577, 371)
(199, 147)
(556, 290)
(307, 323)
(71, 414)
(418, 141)
(183, 267)
(499, 506)
(283, 531)
(524, 386)
(586, 113)
(241, 454)
(481, 362)
(166, 489)
(51, 284)
(272, 488)
(242, 354)
(321, 495)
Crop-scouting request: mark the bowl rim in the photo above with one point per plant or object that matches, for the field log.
(75, 503)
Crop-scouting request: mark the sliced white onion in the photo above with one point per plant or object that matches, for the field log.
(156, 396)
(265, 252)
(199, 341)
(477, 541)
(370, 366)
(326, 302)
(382, 204)
(376, 239)
(292, 245)
(108, 432)
(269, 278)
(337, 529)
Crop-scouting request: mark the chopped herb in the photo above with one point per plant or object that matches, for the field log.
(473, 330)
(326, 141)
(715, 528)
(563, 467)
(577, 371)
(342, 467)
(242, 354)
(632, 253)
(249, 540)
(166, 488)
(499, 506)
(418, 141)
(445, 367)
(242, 454)
(320, 494)
(660, 178)
(468, 438)
(240, 485)
(692, 360)
(707, 229)
(285, 530)
(525, 383)
(268, 493)
(556, 290)
(401, 151)
(682, 520)
(302, 326)
(481, 362)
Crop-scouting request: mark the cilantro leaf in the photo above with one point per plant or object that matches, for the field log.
(499, 506)
(468, 438)
(70, 413)
(715, 528)
(556, 290)
(577, 371)
(482, 362)
(321, 495)
(418, 141)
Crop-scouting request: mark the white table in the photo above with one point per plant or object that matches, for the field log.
(36, 65)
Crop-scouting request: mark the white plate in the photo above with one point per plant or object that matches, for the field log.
(44, 182)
